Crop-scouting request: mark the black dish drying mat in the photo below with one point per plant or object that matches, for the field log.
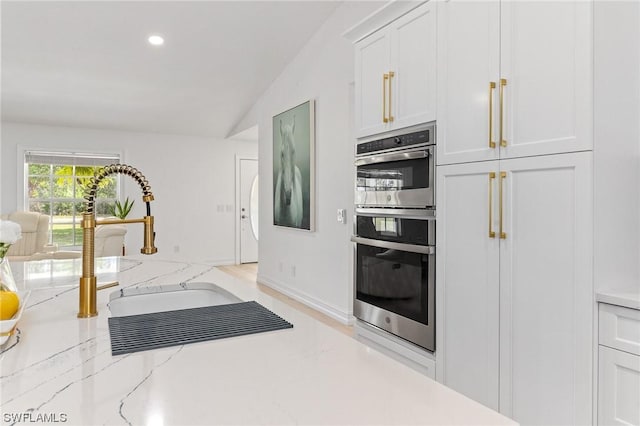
(137, 333)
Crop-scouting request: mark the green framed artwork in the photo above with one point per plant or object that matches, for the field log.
(294, 167)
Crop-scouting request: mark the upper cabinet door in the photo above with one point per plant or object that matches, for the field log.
(412, 98)
(468, 62)
(546, 62)
(371, 87)
(395, 74)
(514, 79)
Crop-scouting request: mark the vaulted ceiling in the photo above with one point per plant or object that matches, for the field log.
(88, 63)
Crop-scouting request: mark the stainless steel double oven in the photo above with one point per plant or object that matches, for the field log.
(394, 235)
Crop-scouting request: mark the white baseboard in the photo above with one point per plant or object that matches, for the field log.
(310, 301)
(399, 349)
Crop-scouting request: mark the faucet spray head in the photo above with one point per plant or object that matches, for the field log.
(149, 237)
(149, 234)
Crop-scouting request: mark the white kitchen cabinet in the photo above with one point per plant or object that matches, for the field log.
(372, 65)
(618, 387)
(467, 282)
(395, 81)
(618, 365)
(514, 79)
(514, 285)
(546, 291)
(468, 60)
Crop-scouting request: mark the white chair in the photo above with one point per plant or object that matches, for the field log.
(61, 254)
(35, 234)
(109, 240)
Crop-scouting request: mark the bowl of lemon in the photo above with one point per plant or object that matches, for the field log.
(12, 304)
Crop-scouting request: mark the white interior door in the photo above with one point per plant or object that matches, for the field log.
(248, 211)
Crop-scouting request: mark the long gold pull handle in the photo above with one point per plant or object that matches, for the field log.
(391, 74)
(503, 176)
(503, 83)
(492, 176)
(385, 78)
(492, 87)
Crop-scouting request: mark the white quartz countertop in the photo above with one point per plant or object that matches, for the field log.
(628, 299)
(60, 368)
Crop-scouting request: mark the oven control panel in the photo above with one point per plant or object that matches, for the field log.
(423, 137)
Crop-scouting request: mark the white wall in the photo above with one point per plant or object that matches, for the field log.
(192, 178)
(322, 71)
(617, 145)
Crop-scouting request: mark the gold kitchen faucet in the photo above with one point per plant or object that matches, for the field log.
(88, 282)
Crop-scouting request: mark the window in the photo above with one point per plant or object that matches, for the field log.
(55, 185)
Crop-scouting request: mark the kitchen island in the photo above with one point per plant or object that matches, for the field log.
(58, 368)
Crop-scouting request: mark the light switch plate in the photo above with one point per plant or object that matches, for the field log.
(342, 216)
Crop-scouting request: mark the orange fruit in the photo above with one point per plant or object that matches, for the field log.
(9, 304)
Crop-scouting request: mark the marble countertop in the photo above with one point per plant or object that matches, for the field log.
(58, 368)
(628, 299)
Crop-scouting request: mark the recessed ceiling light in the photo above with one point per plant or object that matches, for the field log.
(156, 40)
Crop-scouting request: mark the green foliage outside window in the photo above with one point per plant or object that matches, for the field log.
(58, 191)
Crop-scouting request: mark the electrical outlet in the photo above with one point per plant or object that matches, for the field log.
(342, 216)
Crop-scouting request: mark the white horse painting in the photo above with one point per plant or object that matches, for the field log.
(288, 210)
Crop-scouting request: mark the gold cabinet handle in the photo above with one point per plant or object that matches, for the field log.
(492, 176)
(492, 87)
(503, 176)
(385, 79)
(391, 74)
(503, 83)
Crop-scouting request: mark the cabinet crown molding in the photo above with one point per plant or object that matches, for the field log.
(381, 17)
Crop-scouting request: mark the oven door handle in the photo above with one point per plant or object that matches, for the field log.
(419, 214)
(396, 156)
(412, 248)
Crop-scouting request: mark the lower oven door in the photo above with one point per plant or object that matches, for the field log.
(395, 288)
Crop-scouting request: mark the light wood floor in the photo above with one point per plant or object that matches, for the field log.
(249, 272)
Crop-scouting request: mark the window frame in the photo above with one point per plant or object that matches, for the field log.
(23, 184)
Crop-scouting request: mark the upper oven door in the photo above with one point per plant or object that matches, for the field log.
(396, 179)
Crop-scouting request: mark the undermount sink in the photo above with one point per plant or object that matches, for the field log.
(146, 300)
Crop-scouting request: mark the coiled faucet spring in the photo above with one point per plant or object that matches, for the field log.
(92, 188)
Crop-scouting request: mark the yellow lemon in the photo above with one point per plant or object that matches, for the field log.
(9, 304)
